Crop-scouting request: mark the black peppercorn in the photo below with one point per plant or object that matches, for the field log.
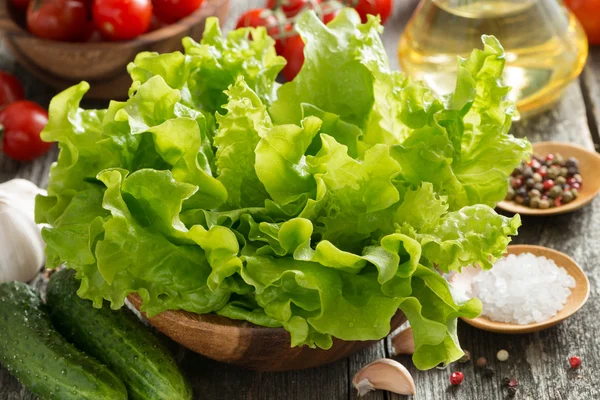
(573, 171)
(512, 391)
(489, 372)
(571, 162)
(529, 182)
(481, 362)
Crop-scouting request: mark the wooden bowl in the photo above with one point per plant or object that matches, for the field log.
(578, 297)
(102, 64)
(247, 345)
(589, 165)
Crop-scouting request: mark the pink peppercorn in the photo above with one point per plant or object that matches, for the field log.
(457, 378)
(549, 184)
(575, 361)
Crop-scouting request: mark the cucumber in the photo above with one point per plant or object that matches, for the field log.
(117, 338)
(41, 359)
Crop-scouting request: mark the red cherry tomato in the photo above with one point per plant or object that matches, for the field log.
(20, 5)
(10, 89)
(22, 122)
(122, 19)
(383, 8)
(256, 17)
(282, 38)
(330, 10)
(173, 10)
(588, 13)
(57, 19)
(293, 52)
(289, 7)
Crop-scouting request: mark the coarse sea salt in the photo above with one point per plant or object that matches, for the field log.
(519, 289)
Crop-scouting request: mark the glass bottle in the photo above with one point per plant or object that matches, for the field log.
(546, 48)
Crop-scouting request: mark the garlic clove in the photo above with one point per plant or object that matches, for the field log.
(384, 374)
(21, 244)
(404, 342)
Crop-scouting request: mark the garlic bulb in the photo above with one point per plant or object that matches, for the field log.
(21, 244)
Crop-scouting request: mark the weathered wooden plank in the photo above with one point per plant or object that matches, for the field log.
(590, 87)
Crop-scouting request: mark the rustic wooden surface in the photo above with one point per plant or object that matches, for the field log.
(538, 360)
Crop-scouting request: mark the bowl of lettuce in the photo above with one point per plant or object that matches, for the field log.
(319, 208)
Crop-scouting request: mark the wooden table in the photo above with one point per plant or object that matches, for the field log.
(538, 360)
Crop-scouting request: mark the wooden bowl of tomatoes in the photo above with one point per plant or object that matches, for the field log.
(63, 42)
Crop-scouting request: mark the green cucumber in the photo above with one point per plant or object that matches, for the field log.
(117, 338)
(42, 360)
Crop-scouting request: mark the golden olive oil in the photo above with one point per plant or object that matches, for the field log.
(545, 45)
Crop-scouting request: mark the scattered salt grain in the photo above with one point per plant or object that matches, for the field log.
(519, 289)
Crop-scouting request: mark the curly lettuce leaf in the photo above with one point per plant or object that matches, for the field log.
(217, 61)
(354, 198)
(77, 132)
(332, 77)
(281, 163)
(467, 152)
(433, 315)
(240, 130)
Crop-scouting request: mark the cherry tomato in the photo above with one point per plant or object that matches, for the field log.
(282, 38)
(122, 19)
(256, 17)
(57, 19)
(289, 7)
(330, 10)
(10, 89)
(20, 5)
(22, 122)
(173, 10)
(383, 8)
(293, 52)
(588, 13)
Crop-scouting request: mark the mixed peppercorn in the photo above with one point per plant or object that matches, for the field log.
(511, 384)
(545, 182)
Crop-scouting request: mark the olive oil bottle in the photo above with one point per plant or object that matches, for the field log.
(545, 45)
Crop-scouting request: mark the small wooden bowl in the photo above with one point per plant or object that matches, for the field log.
(578, 297)
(102, 64)
(589, 166)
(247, 345)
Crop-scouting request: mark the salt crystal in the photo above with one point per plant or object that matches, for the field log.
(519, 289)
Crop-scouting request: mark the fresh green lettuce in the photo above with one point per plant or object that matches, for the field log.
(324, 205)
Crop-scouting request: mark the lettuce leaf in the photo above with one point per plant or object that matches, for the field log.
(324, 205)
(240, 130)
